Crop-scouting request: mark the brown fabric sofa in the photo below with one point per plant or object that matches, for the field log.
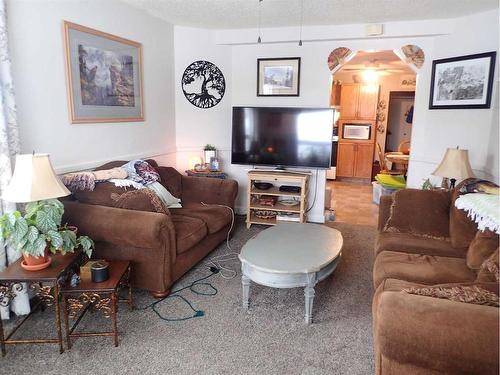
(416, 334)
(161, 247)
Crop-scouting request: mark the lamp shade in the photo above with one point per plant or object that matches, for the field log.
(455, 164)
(34, 179)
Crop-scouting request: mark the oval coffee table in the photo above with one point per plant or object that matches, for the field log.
(290, 255)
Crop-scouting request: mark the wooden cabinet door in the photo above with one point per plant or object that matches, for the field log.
(364, 160)
(367, 102)
(349, 100)
(346, 158)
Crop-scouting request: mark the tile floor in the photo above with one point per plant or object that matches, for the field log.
(352, 202)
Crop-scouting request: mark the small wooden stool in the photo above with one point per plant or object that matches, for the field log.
(100, 296)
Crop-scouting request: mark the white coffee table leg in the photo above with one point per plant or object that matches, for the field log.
(309, 297)
(245, 282)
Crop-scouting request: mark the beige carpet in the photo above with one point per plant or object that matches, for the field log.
(270, 338)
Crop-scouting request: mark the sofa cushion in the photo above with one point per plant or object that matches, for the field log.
(215, 217)
(482, 246)
(171, 180)
(189, 231)
(101, 195)
(140, 200)
(408, 243)
(425, 269)
(420, 212)
(489, 269)
(458, 293)
(462, 229)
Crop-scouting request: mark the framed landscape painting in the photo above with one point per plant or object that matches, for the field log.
(104, 75)
(462, 82)
(278, 76)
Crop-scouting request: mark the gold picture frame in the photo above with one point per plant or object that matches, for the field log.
(104, 76)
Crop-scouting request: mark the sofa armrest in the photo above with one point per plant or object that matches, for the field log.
(438, 334)
(209, 190)
(384, 211)
(121, 226)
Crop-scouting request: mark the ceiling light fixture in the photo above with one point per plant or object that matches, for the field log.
(259, 39)
(301, 21)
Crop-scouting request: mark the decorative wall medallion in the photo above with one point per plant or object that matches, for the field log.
(381, 116)
(414, 55)
(203, 84)
(337, 58)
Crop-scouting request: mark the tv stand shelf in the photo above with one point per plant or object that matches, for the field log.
(278, 179)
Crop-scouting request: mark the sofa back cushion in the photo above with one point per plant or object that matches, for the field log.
(420, 212)
(101, 195)
(171, 180)
(481, 248)
(462, 229)
(140, 200)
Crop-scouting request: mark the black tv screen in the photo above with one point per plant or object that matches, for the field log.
(282, 137)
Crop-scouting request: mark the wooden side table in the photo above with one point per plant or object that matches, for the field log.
(102, 297)
(46, 283)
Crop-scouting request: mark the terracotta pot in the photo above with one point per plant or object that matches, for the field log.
(31, 260)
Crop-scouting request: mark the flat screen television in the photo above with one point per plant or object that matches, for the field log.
(282, 137)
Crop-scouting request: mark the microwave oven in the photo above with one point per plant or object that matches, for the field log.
(356, 131)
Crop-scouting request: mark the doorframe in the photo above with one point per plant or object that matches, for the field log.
(397, 95)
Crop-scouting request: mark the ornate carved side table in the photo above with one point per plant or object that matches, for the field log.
(46, 284)
(102, 297)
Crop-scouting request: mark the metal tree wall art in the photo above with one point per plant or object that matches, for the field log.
(203, 84)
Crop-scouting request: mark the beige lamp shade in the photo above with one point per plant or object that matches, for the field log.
(34, 179)
(455, 164)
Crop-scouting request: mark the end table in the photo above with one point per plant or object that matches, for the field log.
(46, 283)
(99, 296)
(193, 173)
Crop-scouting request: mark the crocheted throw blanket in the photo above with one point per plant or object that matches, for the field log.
(482, 208)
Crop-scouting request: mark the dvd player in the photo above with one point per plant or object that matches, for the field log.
(290, 189)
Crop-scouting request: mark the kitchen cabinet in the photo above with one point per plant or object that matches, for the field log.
(358, 101)
(355, 159)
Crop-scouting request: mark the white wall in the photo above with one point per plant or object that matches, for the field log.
(433, 131)
(36, 43)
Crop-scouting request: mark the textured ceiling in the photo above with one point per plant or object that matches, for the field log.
(231, 14)
(383, 60)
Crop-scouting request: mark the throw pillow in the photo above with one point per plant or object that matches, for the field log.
(140, 200)
(489, 269)
(462, 228)
(482, 246)
(466, 294)
(420, 212)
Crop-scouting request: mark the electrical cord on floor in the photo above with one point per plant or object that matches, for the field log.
(214, 265)
(175, 294)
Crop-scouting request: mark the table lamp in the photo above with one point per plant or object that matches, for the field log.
(455, 166)
(34, 179)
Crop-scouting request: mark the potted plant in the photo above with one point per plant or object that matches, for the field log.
(210, 152)
(39, 231)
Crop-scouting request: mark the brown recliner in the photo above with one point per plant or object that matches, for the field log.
(161, 247)
(416, 334)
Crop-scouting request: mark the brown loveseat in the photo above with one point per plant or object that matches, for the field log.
(425, 241)
(162, 247)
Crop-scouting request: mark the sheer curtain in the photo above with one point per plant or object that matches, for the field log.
(9, 146)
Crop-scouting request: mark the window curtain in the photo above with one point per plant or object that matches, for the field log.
(9, 147)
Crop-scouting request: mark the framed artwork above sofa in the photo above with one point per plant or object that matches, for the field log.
(104, 76)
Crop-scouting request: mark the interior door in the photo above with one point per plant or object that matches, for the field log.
(349, 100)
(367, 102)
(364, 160)
(346, 159)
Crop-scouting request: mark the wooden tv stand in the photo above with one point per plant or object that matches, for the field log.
(277, 179)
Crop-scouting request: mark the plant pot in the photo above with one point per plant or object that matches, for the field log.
(209, 154)
(33, 263)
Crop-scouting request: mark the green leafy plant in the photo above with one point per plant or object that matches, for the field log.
(40, 227)
(209, 147)
(428, 185)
